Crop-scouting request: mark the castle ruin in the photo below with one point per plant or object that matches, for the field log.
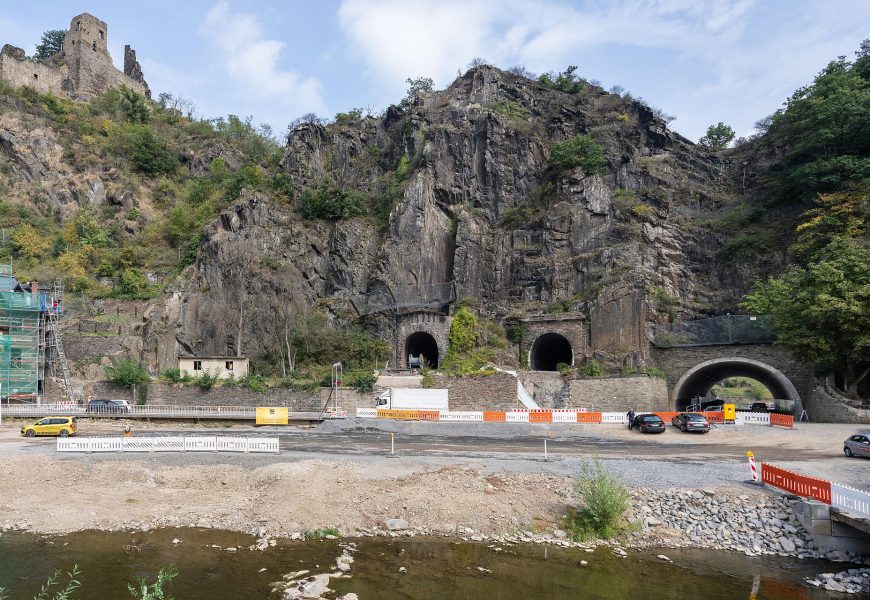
(81, 70)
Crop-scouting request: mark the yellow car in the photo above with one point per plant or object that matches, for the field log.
(62, 426)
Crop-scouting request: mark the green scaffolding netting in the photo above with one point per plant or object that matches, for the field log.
(19, 344)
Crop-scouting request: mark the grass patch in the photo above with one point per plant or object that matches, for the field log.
(603, 500)
(320, 534)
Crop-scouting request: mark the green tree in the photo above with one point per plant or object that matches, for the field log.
(133, 107)
(51, 44)
(835, 214)
(824, 131)
(822, 312)
(128, 373)
(718, 136)
(463, 333)
(578, 151)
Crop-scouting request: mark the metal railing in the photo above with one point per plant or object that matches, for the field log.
(141, 411)
(714, 331)
(425, 295)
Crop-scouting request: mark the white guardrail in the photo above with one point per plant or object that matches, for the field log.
(169, 444)
(847, 498)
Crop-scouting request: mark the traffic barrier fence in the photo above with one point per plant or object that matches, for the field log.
(417, 415)
(462, 415)
(494, 416)
(714, 417)
(781, 420)
(749, 418)
(614, 417)
(366, 413)
(517, 416)
(848, 498)
(541, 416)
(169, 444)
(795, 483)
(589, 417)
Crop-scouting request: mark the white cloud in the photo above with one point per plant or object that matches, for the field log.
(254, 65)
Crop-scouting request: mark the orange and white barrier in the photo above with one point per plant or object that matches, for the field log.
(795, 483)
(779, 420)
(752, 466)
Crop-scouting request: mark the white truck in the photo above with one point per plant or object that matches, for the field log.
(412, 399)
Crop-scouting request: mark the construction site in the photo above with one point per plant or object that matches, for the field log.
(30, 344)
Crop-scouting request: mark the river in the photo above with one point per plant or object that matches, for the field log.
(436, 568)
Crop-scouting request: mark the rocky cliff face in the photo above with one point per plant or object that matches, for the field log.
(476, 204)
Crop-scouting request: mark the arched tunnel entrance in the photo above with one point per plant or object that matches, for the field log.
(698, 381)
(549, 350)
(422, 344)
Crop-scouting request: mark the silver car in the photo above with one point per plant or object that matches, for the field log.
(857, 445)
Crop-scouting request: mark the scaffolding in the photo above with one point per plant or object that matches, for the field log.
(29, 338)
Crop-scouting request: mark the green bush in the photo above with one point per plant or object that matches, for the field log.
(126, 372)
(206, 380)
(603, 501)
(328, 201)
(255, 383)
(656, 372)
(146, 151)
(578, 151)
(592, 368)
(510, 109)
(427, 381)
(564, 368)
(463, 332)
(566, 81)
(363, 381)
(175, 376)
(319, 534)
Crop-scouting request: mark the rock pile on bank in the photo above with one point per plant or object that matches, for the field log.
(301, 585)
(852, 581)
(753, 524)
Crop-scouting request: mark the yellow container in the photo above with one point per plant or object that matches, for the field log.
(729, 412)
(267, 415)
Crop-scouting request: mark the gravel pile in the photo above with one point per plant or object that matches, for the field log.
(853, 581)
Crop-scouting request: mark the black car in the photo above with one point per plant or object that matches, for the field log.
(649, 424)
(106, 406)
(691, 422)
(759, 407)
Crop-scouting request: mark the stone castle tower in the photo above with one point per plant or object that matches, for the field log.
(83, 69)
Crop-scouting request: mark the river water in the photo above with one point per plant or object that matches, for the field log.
(436, 568)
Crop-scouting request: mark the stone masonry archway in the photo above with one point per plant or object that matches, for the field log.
(549, 350)
(421, 343)
(420, 331)
(698, 380)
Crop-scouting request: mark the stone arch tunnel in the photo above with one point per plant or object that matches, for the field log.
(549, 350)
(422, 343)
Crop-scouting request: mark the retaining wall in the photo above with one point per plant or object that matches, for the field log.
(619, 394)
(491, 392)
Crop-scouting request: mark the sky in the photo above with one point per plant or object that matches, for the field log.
(702, 61)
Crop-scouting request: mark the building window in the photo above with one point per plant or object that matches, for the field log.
(35, 76)
(101, 34)
(197, 365)
(95, 46)
(78, 25)
(229, 365)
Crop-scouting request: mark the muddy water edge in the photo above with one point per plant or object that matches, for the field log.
(219, 565)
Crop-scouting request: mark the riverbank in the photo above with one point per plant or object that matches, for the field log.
(521, 501)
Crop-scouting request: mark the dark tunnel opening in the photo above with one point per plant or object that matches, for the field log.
(422, 344)
(549, 350)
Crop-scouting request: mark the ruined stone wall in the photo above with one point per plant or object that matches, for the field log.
(619, 394)
(18, 71)
(83, 68)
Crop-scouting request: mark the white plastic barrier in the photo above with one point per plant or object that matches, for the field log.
(367, 413)
(517, 416)
(613, 417)
(564, 416)
(200, 444)
(461, 415)
(169, 444)
(748, 418)
(850, 499)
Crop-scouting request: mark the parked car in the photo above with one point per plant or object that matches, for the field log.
(62, 426)
(759, 407)
(691, 422)
(649, 424)
(857, 445)
(715, 408)
(108, 406)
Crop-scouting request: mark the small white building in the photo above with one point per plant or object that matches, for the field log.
(223, 367)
